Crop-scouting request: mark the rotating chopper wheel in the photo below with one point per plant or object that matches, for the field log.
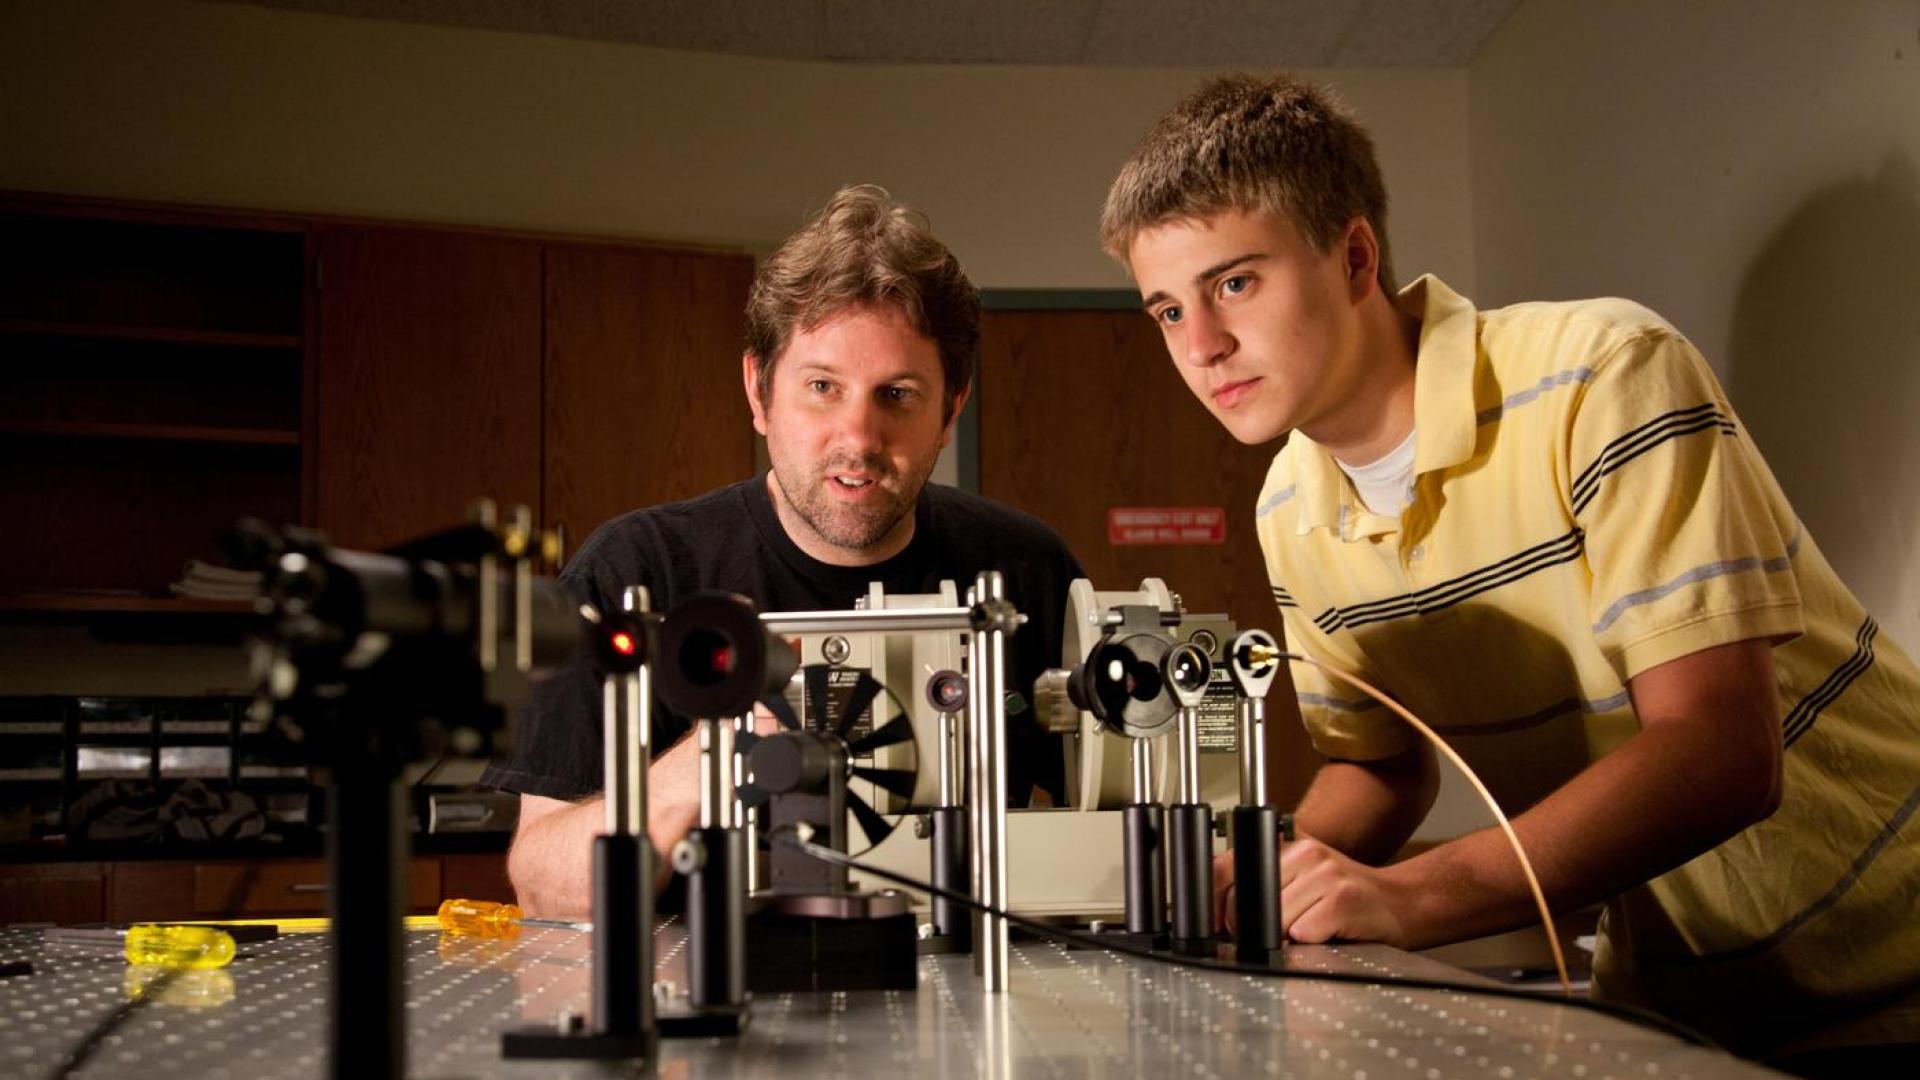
(845, 711)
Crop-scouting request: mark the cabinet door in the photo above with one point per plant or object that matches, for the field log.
(643, 396)
(429, 379)
(1082, 412)
(52, 892)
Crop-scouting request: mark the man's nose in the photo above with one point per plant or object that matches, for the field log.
(1207, 338)
(862, 426)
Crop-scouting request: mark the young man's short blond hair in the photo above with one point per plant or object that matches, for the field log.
(1244, 142)
(864, 248)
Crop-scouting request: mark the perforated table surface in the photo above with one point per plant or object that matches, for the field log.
(1071, 1015)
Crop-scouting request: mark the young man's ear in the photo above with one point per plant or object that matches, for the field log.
(750, 377)
(1362, 249)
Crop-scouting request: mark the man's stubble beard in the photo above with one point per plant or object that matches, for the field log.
(846, 527)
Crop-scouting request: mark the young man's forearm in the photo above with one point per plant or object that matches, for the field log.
(1705, 765)
(1368, 810)
(1651, 805)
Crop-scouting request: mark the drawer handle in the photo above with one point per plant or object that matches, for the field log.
(308, 887)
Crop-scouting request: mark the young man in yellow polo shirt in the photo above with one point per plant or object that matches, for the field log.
(1544, 530)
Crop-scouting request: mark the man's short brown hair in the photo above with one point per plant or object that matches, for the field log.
(1243, 142)
(864, 248)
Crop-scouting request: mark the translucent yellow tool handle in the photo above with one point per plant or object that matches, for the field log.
(479, 918)
(191, 948)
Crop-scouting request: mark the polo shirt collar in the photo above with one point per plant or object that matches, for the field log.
(1444, 366)
(1443, 414)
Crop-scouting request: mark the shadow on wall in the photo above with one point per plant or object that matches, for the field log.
(1825, 371)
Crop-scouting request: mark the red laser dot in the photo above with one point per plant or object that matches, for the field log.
(623, 643)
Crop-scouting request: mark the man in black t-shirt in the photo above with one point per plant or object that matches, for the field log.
(861, 333)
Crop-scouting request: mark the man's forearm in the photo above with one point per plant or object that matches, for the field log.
(1367, 811)
(551, 863)
(1662, 798)
(551, 859)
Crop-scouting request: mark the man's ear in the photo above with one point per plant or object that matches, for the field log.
(959, 405)
(1362, 253)
(750, 378)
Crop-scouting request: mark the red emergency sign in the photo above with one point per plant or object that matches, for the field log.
(1166, 525)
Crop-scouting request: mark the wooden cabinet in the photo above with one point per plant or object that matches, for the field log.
(134, 891)
(580, 379)
(643, 395)
(429, 379)
(68, 892)
(1093, 395)
(164, 372)
(151, 374)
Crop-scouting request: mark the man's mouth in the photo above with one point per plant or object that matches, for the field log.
(854, 483)
(1227, 395)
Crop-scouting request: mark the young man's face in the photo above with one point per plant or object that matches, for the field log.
(1263, 328)
(854, 423)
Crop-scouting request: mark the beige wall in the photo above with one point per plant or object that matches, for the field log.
(1748, 169)
(1752, 171)
(231, 105)
(223, 103)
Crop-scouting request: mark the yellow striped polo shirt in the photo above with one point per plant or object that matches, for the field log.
(1587, 506)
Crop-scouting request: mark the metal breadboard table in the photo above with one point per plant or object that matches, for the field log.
(1071, 1015)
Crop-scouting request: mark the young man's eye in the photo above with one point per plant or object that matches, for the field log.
(1236, 284)
(897, 394)
(1168, 316)
(819, 386)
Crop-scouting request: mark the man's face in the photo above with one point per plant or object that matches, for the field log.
(854, 425)
(1263, 328)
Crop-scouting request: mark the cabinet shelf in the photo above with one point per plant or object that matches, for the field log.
(166, 334)
(80, 429)
(96, 604)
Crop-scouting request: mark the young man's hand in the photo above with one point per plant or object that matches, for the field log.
(1326, 896)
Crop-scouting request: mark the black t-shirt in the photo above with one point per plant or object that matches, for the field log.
(731, 539)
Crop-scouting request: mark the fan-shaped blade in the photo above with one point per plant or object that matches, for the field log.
(816, 697)
(871, 823)
(859, 700)
(897, 730)
(783, 712)
(898, 781)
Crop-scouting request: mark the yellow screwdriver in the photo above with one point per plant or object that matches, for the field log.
(490, 918)
(189, 948)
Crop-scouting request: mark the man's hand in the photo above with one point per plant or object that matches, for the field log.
(551, 861)
(1364, 809)
(1326, 896)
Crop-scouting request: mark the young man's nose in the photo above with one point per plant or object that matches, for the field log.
(1206, 337)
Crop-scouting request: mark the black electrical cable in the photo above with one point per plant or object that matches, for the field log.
(1642, 1017)
(87, 1044)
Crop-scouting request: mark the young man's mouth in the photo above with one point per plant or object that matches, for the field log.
(1227, 395)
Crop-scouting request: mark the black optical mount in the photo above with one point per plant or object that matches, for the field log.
(715, 660)
(364, 662)
(1253, 660)
(624, 1025)
(1188, 672)
(951, 929)
(1123, 683)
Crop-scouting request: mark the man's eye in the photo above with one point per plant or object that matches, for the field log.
(1236, 284)
(1168, 315)
(897, 394)
(819, 386)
